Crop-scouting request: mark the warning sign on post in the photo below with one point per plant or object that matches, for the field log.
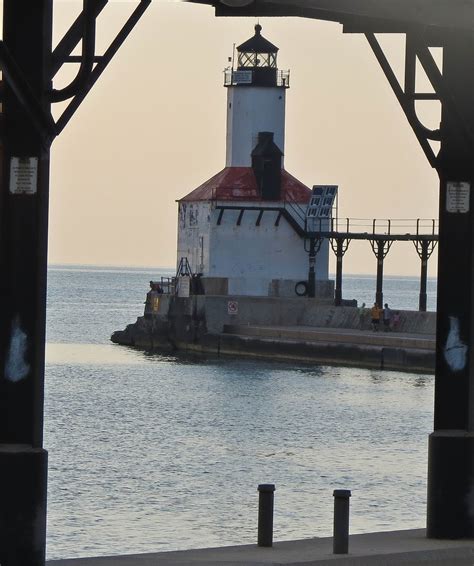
(232, 307)
(457, 197)
(23, 175)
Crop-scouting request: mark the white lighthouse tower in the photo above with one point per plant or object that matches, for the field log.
(243, 230)
(256, 93)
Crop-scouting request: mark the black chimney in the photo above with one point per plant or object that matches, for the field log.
(266, 164)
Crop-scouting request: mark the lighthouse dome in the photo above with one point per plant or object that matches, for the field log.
(250, 50)
(258, 58)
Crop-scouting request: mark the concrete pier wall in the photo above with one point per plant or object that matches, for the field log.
(218, 311)
(292, 329)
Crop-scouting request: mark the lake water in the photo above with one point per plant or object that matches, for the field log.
(151, 453)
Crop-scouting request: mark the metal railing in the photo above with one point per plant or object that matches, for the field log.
(168, 285)
(233, 77)
(376, 226)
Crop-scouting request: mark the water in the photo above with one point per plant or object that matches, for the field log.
(151, 453)
(400, 292)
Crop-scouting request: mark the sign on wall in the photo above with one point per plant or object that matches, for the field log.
(232, 307)
(23, 175)
(457, 197)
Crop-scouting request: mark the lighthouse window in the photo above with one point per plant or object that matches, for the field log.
(257, 60)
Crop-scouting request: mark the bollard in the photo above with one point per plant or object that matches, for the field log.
(340, 543)
(265, 514)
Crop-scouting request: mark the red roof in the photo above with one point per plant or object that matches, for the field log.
(239, 184)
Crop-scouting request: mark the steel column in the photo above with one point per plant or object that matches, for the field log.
(380, 255)
(27, 32)
(424, 275)
(451, 445)
(338, 287)
(312, 268)
(339, 247)
(379, 284)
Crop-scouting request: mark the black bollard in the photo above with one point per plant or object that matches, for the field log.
(265, 514)
(340, 542)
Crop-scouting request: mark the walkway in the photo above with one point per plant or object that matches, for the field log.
(407, 548)
(390, 339)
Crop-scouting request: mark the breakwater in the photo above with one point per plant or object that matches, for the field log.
(288, 329)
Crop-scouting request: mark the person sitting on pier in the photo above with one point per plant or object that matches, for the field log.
(375, 317)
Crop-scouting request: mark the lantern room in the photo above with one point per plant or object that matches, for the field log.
(257, 64)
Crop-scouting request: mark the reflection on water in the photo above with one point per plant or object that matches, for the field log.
(91, 354)
(149, 453)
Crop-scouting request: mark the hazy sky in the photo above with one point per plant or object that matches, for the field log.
(153, 128)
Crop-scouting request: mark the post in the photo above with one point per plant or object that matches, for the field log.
(341, 521)
(312, 268)
(380, 255)
(265, 514)
(424, 274)
(451, 445)
(24, 188)
(338, 287)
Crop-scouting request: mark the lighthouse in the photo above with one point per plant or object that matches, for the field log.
(243, 230)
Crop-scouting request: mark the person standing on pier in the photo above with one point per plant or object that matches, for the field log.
(375, 317)
(387, 318)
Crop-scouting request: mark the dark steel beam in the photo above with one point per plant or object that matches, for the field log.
(444, 14)
(71, 39)
(451, 446)
(13, 75)
(24, 192)
(87, 56)
(102, 64)
(407, 103)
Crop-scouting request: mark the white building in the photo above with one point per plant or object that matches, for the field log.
(243, 229)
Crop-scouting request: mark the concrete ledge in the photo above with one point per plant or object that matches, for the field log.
(334, 353)
(409, 547)
(340, 335)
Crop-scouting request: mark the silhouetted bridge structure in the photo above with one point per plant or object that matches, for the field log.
(28, 127)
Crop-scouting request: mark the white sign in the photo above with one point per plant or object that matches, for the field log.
(457, 197)
(23, 175)
(184, 284)
(242, 77)
(232, 307)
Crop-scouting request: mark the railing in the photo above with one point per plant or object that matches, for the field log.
(234, 77)
(376, 226)
(168, 285)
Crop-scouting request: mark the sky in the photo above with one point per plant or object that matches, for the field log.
(153, 128)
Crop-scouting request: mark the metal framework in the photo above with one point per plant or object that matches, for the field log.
(27, 130)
